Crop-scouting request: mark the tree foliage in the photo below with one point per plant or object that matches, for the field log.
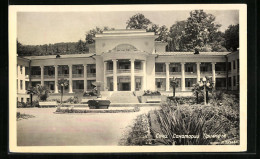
(91, 33)
(176, 34)
(42, 92)
(232, 37)
(138, 21)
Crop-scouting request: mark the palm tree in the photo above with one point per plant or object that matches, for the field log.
(62, 83)
(197, 88)
(42, 92)
(31, 91)
(98, 84)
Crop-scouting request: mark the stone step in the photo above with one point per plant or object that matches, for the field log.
(123, 97)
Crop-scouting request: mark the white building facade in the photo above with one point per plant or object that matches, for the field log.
(129, 60)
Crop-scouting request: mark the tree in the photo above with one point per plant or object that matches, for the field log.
(98, 84)
(32, 91)
(81, 46)
(199, 31)
(42, 92)
(91, 33)
(162, 32)
(232, 37)
(154, 28)
(62, 83)
(176, 33)
(138, 21)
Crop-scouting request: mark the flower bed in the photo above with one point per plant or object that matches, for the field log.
(151, 93)
(20, 116)
(139, 133)
(75, 110)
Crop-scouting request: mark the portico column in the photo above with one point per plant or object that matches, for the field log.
(105, 78)
(132, 74)
(70, 79)
(42, 75)
(213, 73)
(114, 75)
(167, 77)
(24, 86)
(85, 77)
(144, 75)
(18, 77)
(198, 71)
(183, 76)
(56, 79)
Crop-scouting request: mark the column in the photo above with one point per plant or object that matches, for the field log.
(183, 76)
(70, 79)
(198, 71)
(213, 73)
(42, 75)
(24, 86)
(167, 77)
(132, 74)
(85, 77)
(114, 75)
(18, 77)
(105, 78)
(144, 75)
(56, 79)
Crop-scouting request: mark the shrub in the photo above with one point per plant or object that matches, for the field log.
(73, 100)
(139, 133)
(150, 93)
(21, 104)
(34, 104)
(195, 120)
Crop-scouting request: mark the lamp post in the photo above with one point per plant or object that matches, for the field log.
(204, 80)
(173, 83)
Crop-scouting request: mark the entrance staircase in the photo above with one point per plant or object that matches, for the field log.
(123, 97)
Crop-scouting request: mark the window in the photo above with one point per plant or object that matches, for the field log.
(234, 80)
(159, 67)
(158, 84)
(237, 65)
(26, 70)
(26, 85)
(21, 84)
(238, 79)
(21, 99)
(110, 66)
(27, 99)
(138, 65)
(229, 66)
(21, 69)
(80, 71)
(229, 81)
(220, 66)
(234, 64)
(189, 68)
(175, 69)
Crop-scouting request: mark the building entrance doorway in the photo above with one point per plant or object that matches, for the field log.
(124, 83)
(125, 86)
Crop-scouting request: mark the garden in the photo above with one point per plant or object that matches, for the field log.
(210, 117)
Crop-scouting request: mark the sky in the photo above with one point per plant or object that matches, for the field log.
(37, 28)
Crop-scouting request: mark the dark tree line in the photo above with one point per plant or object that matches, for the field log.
(199, 31)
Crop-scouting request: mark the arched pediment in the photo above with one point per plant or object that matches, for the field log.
(125, 48)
